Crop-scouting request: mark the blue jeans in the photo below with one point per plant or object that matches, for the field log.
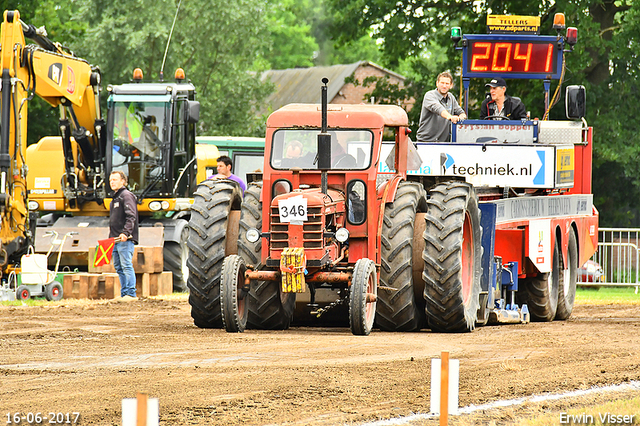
(122, 261)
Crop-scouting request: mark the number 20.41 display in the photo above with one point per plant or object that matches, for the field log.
(503, 58)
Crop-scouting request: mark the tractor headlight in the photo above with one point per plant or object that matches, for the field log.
(155, 206)
(342, 235)
(165, 205)
(33, 205)
(253, 235)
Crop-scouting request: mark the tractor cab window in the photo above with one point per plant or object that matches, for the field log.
(350, 149)
(137, 133)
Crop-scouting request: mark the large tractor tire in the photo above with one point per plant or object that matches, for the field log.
(568, 280)
(268, 307)
(540, 293)
(398, 309)
(213, 202)
(175, 260)
(452, 257)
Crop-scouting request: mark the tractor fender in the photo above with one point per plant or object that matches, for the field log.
(387, 191)
(386, 194)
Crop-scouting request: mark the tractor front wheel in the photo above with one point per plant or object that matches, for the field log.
(362, 297)
(233, 294)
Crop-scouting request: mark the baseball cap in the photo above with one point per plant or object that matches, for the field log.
(496, 82)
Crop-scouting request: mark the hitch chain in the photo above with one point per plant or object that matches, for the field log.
(320, 311)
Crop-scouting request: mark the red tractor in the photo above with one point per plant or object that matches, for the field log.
(489, 228)
(323, 217)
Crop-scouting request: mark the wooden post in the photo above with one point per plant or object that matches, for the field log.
(142, 399)
(444, 388)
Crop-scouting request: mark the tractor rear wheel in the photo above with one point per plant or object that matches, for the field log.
(213, 202)
(568, 280)
(362, 297)
(269, 308)
(452, 257)
(175, 260)
(233, 294)
(398, 309)
(541, 291)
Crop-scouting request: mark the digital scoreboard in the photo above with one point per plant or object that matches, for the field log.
(512, 56)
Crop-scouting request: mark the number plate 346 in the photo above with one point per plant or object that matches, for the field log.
(293, 209)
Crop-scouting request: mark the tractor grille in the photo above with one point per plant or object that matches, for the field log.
(312, 234)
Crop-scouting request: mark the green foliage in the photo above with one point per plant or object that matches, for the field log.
(605, 60)
(362, 49)
(219, 42)
(301, 37)
(292, 45)
(216, 42)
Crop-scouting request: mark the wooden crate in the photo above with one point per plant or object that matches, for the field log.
(76, 286)
(145, 260)
(160, 283)
(107, 286)
(142, 284)
(91, 286)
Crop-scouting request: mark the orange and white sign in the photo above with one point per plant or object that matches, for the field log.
(540, 244)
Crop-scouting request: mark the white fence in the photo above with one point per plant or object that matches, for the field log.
(616, 261)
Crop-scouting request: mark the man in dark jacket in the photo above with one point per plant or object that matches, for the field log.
(123, 225)
(500, 104)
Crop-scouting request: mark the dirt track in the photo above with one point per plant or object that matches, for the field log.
(87, 356)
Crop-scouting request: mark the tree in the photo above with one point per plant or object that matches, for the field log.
(292, 43)
(216, 42)
(605, 60)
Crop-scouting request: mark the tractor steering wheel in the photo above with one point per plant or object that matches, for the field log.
(347, 160)
(490, 117)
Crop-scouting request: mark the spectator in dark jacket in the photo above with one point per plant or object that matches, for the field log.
(500, 104)
(123, 225)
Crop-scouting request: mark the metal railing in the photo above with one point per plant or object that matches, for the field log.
(616, 261)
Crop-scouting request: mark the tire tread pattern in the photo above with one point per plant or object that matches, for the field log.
(207, 231)
(398, 310)
(565, 303)
(541, 300)
(266, 309)
(448, 205)
(173, 256)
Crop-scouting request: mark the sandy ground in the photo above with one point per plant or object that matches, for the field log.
(86, 356)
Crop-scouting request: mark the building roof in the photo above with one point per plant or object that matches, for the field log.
(302, 85)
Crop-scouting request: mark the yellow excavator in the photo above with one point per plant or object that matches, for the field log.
(149, 132)
(45, 69)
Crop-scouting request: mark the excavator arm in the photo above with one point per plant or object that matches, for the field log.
(63, 80)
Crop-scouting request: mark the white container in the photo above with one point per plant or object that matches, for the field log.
(34, 269)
